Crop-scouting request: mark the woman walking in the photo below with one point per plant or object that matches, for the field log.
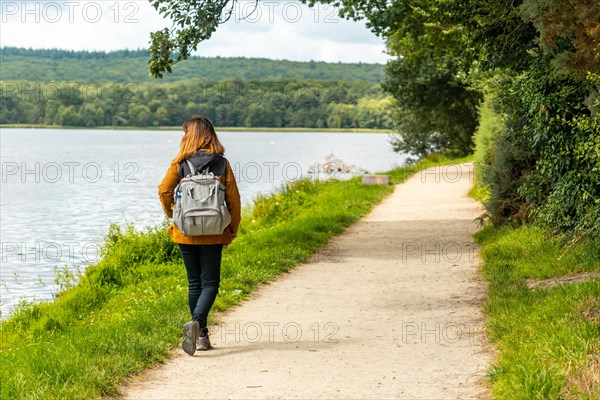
(201, 254)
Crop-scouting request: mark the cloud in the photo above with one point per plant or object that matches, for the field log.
(275, 29)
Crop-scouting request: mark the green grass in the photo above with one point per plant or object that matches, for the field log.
(548, 340)
(126, 312)
(480, 193)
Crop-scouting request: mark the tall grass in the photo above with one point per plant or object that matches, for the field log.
(126, 312)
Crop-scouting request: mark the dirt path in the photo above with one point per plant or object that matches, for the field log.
(390, 309)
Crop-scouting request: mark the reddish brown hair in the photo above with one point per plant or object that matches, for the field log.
(198, 133)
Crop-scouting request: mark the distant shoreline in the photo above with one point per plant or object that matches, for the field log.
(178, 128)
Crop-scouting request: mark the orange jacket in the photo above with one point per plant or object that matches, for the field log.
(232, 199)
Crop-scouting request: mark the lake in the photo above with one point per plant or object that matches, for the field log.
(61, 188)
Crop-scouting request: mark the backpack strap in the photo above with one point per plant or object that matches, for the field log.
(207, 166)
(193, 170)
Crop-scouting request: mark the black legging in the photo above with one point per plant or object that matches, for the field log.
(203, 266)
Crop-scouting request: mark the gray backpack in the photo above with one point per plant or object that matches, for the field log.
(200, 207)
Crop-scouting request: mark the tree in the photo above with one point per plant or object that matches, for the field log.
(435, 105)
(91, 115)
(68, 116)
(257, 116)
(568, 29)
(161, 116)
(193, 21)
(139, 115)
(430, 76)
(51, 113)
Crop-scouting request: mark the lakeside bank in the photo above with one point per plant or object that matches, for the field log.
(125, 313)
(73, 169)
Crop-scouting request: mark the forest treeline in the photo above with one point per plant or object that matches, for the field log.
(47, 65)
(228, 103)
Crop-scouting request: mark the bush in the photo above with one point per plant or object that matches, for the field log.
(546, 161)
(506, 174)
(491, 123)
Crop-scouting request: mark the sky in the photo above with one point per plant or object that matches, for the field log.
(275, 29)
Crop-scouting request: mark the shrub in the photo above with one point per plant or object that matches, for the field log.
(491, 123)
(546, 162)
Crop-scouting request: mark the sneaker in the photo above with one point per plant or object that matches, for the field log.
(203, 343)
(191, 330)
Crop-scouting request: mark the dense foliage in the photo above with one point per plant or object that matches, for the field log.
(545, 163)
(228, 103)
(47, 65)
(540, 62)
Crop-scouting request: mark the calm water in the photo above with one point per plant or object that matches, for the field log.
(62, 188)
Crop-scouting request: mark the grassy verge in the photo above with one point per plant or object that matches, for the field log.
(125, 313)
(549, 338)
(479, 193)
(178, 128)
